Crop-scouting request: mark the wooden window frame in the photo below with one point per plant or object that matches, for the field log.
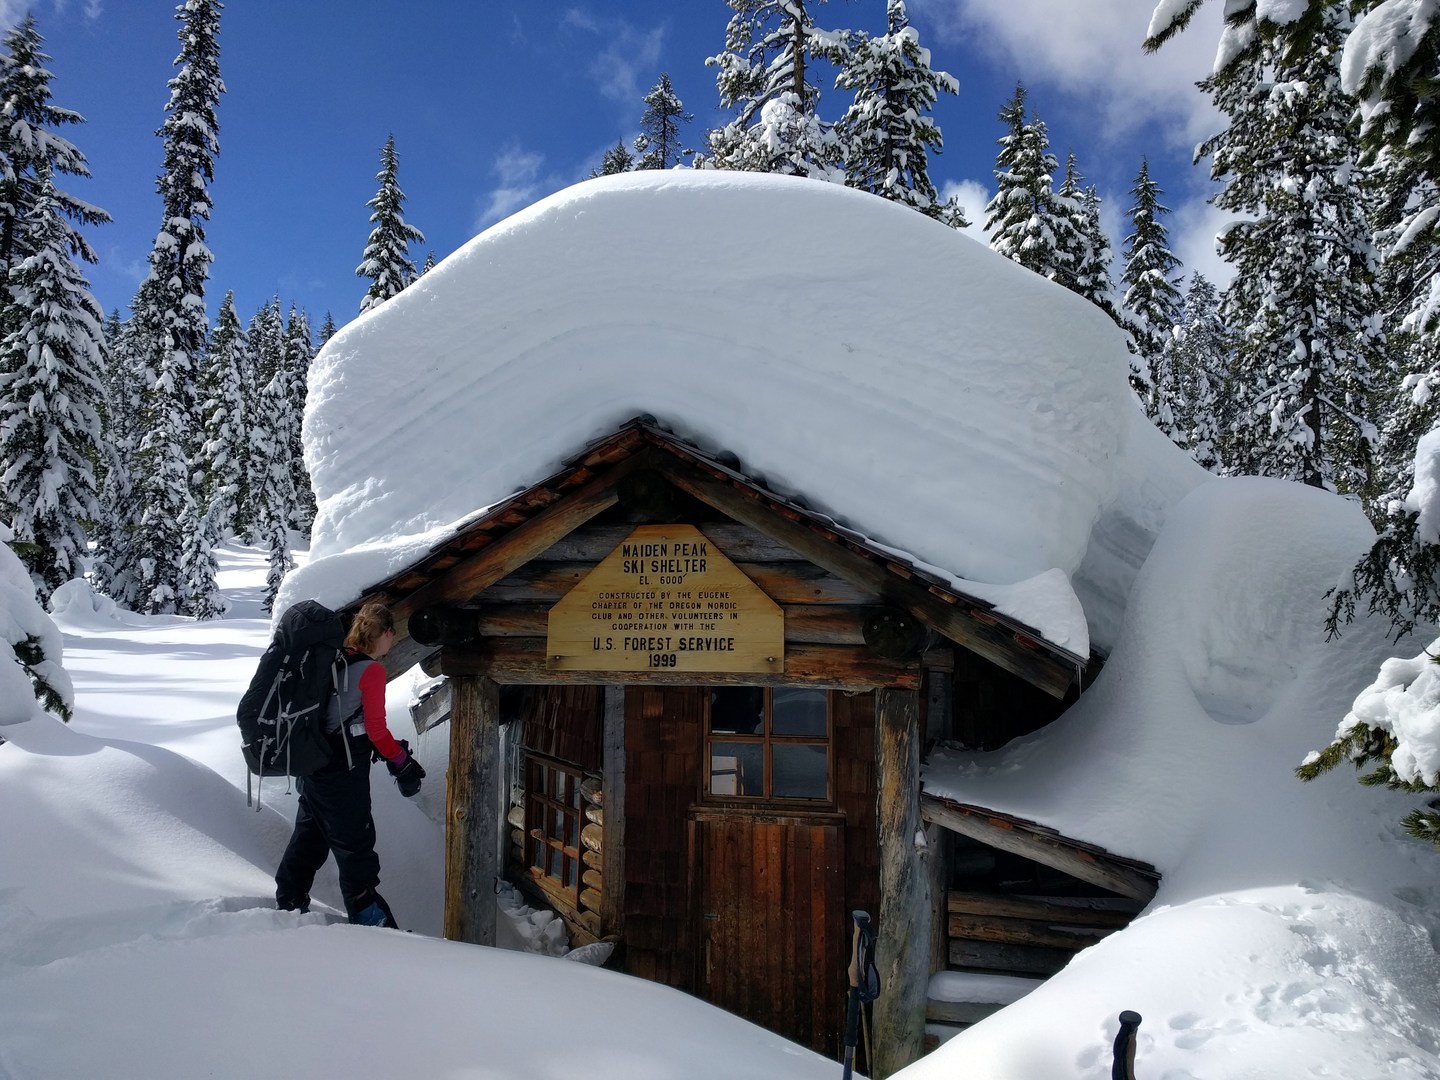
(541, 808)
(766, 740)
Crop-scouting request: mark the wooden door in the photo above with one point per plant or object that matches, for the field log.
(770, 894)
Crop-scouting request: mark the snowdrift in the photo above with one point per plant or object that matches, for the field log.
(907, 380)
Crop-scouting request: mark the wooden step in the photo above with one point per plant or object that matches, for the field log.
(959, 1012)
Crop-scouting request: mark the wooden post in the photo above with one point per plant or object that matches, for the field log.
(903, 929)
(612, 909)
(472, 817)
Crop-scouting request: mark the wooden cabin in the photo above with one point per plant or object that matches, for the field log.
(714, 704)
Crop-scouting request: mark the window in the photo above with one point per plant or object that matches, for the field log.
(768, 744)
(552, 825)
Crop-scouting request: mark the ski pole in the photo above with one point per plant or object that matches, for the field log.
(1124, 1066)
(856, 973)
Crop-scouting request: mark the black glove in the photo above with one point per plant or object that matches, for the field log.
(407, 776)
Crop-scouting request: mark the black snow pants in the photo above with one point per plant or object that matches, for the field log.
(334, 818)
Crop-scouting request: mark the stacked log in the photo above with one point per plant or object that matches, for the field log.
(592, 848)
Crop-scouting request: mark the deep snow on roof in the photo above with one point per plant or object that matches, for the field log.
(906, 380)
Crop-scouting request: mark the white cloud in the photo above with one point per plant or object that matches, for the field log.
(1091, 50)
(1193, 227)
(629, 61)
(972, 196)
(518, 172)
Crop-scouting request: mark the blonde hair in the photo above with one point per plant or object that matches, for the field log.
(370, 624)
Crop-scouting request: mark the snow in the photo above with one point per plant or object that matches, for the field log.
(1294, 929)
(1299, 914)
(1003, 398)
(138, 935)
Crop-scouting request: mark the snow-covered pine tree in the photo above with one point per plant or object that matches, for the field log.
(762, 75)
(660, 126)
(1026, 219)
(1197, 358)
(226, 390)
(386, 261)
(1392, 59)
(299, 351)
(887, 134)
(327, 328)
(617, 159)
(50, 400)
(30, 144)
(269, 422)
(114, 566)
(1084, 247)
(1304, 301)
(169, 323)
(1152, 300)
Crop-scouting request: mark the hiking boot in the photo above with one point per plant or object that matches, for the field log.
(285, 903)
(374, 913)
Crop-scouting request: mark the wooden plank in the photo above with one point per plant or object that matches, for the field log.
(469, 578)
(1049, 851)
(959, 1012)
(472, 812)
(613, 785)
(740, 543)
(522, 661)
(431, 710)
(813, 624)
(904, 920)
(994, 641)
(1067, 911)
(1006, 959)
(545, 581)
(1018, 932)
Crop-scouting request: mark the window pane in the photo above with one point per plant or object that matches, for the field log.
(737, 768)
(737, 710)
(798, 771)
(797, 711)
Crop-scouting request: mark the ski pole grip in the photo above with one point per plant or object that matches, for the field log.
(1124, 1066)
(861, 923)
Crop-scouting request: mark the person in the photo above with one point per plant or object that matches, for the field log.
(333, 816)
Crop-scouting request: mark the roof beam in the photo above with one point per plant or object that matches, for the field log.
(995, 643)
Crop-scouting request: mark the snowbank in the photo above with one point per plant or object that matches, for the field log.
(25, 628)
(1292, 916)
(908, 381)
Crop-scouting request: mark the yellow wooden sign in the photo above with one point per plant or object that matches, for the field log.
(666, 599)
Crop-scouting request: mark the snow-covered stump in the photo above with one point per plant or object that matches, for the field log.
(903, 931)
(472, 862)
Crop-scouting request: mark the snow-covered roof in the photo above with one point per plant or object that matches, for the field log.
(910, 383)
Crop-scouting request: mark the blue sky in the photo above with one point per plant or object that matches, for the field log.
(496, 104)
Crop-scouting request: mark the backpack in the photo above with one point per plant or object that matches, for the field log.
(282, 714)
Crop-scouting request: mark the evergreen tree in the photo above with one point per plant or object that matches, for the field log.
(1152, 300)
(114, 566)
(1084, 248)
(762, 75)
(227, 392)
(169, 320)
(270, 425)
(274, 438)
(888, 133)
(50, 400)
(327, 328)
(32, 153)
(1304, 299)
(386, 261)
(660, 126)
(299, 350)
(1026, 220)
(617, 159)
(1195, 364)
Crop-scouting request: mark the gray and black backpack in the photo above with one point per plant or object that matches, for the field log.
(282, 714)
